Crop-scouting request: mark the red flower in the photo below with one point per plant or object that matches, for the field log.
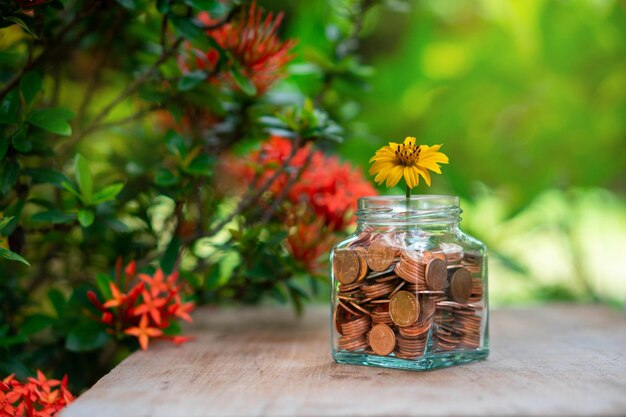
(156, 297)
(131, 269)
(254, 44)
(144, 332)
(182, 310)
(151, 305)
(37, 397)
(155, 283)
(118, 297)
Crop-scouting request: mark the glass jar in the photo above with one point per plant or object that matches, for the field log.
(409, 287)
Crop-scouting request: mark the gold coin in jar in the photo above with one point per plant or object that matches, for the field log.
(404, 308)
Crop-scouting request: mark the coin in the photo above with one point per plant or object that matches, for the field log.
(436, 274)
(427, 308)
(361, 309)
(473, 257)
(348, 308)
(340, 316)
(382, 340)
(346, 266)
(461, 285)
(380, 256)
(361, 253)
(404, 308)
(397, 288)
(355, 327)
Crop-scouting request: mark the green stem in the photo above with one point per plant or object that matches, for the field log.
(408, 192)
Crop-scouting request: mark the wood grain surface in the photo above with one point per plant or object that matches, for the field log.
(557, 360)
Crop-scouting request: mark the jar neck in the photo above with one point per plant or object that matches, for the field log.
(429, 213)
(430, 228)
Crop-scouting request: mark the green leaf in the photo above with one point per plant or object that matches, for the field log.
(21, 142)
(46, 176)
(4, 146)
(194, 34)
(171, 255)
(13, 340)
(15, 211)
(186, 27)
(42, 202)
(214, 7)
(271, 121)
(152, 94)
(86, 337)
(10, 173)
(102, 282)
(54, 120)
(190, 80)
(83, 178)
(116, 226)
(70, 187)
(58, 301)
(244, 83)
(9, 107)
(85, 217)
(165, 178)
(173, 328)
(108, 193)
(163, 6)
(213, 280)
(12, 256)
(22, 24)
(176, 144)
(30, 86)
(35, 324)
(5, 221)
(53, 216)
(201, 165)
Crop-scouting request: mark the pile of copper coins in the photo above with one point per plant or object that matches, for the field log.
(390, 300)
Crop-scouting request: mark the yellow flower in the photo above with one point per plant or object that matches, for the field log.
(406, 159)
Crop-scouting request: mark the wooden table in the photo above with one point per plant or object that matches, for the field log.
(554, 360)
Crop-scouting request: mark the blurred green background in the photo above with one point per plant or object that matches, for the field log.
(528, 98)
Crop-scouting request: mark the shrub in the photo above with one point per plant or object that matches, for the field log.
(130, 135)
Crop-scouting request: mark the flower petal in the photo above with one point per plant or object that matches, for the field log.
(384, 152)
(382, 174)
(154, 332)
(143, 341)
(409, 141)
(133, 331)
(393, 146)
(411, 177)
(394, 176)
(380, 165)
(429, 165)
(426, 175)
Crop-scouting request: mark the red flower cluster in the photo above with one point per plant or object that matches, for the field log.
(327, 186)
(252, 41)
(144, 309)
(321, 201)
(38, 397)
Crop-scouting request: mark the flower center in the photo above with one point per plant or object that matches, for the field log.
(408, 155)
